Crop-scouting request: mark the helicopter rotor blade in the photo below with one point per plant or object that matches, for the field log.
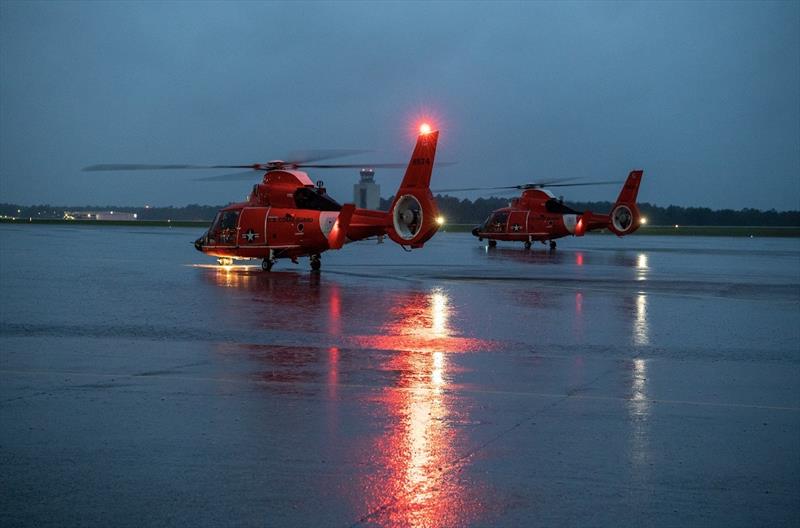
(579, 184)
(526, 186)
(465, 189)
(140, 166)
(301, 157)
(523, 186)
(263, 167)
(352, 165)
(363, 165)
(297, 158)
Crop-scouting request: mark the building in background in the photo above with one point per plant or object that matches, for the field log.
(367, 193)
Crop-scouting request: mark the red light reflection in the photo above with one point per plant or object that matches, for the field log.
(578, 321)
(333, 371)
(419, 450)
(416, 454)
(419, 322)
(335, 310)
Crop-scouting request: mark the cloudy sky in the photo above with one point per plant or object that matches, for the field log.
(704, 96)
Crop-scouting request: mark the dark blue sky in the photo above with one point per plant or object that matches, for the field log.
(704, 96)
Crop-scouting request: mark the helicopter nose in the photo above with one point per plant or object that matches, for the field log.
(198, 244)
(475, 232)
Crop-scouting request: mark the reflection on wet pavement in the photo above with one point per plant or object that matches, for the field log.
(625, 382)
(414, 482)
(640, 326)
(639, 408)
(415, 486)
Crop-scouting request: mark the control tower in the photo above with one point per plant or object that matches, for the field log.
(367, 193)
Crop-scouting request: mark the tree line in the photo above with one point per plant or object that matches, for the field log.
(455, 210)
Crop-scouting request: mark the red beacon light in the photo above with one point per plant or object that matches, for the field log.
(424, 129)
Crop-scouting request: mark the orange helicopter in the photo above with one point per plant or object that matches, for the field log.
(288, 216)
(537, 215)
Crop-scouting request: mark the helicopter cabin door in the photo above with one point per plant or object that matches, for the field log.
(252, 227)
(518, 222)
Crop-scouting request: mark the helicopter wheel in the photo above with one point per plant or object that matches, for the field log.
(316, 262)
(527, 244)
(493, 243)
(267, 264)
(552, 245)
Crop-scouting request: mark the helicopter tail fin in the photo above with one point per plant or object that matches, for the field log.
(624, 218)
(413, 215)
(338, 233)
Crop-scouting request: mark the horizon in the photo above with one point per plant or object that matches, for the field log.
(121, 207)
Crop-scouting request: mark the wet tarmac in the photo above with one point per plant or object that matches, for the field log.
(616, 382)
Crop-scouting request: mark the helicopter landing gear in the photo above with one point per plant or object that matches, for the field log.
(493, 243)
(225, 261)
(552, 245)
(527, 244)
(316, 261)
(268, 262)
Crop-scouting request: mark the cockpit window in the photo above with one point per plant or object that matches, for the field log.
(499, 218)
(497, 222)
(229, 220)
(223, 230)
(215, 223)
(307, 198)
(554, 206)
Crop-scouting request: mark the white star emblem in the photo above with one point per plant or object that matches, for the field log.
(516, 227)
(250, 235)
